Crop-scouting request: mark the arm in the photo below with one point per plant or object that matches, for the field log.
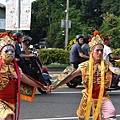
(83, 56)
(81, 53)
(18, 52)
(26, 56)
(108, 52)
(114, 56)
(70, 77)
(30, 82)
(26, 49)
(115, 70)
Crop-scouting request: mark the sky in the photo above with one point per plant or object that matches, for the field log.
(3, 1)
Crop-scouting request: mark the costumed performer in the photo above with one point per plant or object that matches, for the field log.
(96, 78)
(10, 77)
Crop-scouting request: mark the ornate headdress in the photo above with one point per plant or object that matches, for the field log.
(6, 41)
(96, 39)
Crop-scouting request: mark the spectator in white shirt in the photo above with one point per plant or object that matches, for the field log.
(107, 54)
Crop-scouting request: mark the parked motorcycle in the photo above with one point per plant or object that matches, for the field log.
(39, 72)
(115, 82)
(116, 78)
(75, 81)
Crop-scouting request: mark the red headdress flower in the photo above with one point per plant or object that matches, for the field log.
(7, 34)
(95, 39)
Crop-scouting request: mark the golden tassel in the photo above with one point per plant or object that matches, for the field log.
(90, 87)
(97, 110)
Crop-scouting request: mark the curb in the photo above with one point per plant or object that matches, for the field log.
(56, 68)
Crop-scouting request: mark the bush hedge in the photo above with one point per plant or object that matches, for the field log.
(116, 51)
(54, 55)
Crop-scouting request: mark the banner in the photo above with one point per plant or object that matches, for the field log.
(25, 17)
(11, 15)
(13, 21)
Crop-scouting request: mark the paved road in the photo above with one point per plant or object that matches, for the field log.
(61, 104)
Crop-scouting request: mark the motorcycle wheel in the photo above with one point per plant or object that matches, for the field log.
(43, 82)
(46, 83)
(71, 85)
(74, 82)
(41, 91)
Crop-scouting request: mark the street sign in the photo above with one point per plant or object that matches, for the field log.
(63, 23)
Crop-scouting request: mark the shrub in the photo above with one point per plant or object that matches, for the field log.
(54, 55)
(116, 51)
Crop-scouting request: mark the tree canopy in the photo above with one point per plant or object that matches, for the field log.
(85, 16)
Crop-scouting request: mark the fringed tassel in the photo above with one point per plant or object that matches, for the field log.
(18, 73)
(90, 87)
(97, 110)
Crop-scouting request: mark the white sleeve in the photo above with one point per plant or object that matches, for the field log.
(106, 52)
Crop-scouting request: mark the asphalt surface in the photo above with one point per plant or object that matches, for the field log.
(61, 104)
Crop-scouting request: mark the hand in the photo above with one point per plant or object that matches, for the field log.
(45, 88)
(32, 55)
(51, 87)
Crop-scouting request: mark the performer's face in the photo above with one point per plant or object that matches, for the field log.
(97, 53)
(8, 53)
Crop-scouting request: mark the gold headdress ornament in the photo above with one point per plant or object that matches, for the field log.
(96, 39)
(6, 40)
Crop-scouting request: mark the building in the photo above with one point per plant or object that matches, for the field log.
(2, 17)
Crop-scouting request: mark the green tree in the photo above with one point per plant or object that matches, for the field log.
(91, 12)
(111, 6)
(85, 16)
(111, 27)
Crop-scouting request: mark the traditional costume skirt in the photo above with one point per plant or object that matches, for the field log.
(6, 109)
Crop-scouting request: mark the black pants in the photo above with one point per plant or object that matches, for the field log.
(115, 81)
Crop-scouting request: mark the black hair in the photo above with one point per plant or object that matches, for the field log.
(106, 38)
(86, 38)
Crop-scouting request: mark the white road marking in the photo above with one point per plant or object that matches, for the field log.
(63, 118)
(68, 118)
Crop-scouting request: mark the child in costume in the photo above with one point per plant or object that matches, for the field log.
(96, 77)
(10, 78)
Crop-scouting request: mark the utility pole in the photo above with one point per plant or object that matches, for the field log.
(67, 24)
(19, 10)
